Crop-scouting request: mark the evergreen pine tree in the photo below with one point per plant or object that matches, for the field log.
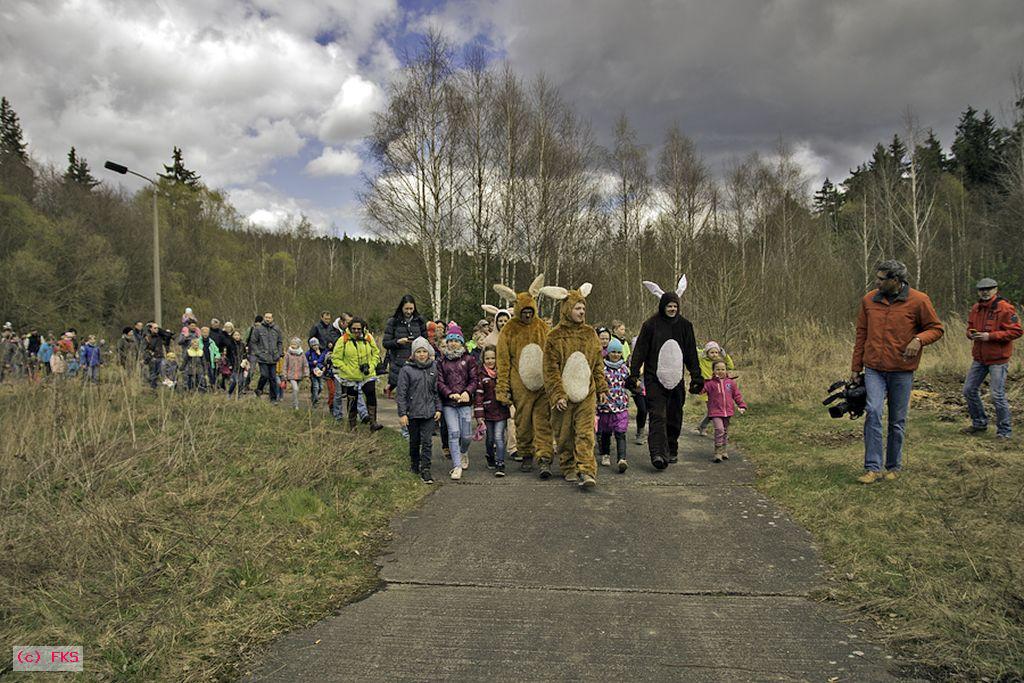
(178, 173)
(15, 173)
(78, 171)
(827, 202)
(976, 149)
(12, 142)
(930, 156)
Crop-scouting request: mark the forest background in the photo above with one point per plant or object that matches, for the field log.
(481, 175)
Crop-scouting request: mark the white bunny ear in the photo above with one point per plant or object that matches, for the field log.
(489, 309)
(585, 289)
(653, 288)
(556, 293)
(681, 287)
(536, 285)
(506, 293)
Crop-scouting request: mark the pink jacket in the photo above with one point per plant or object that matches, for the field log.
(295, 366)
(722, 393)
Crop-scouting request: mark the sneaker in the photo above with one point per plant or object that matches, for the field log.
(499, 471)
(465, 461)
(515, 456)
(606, 460)
(545, 470)
(572, 477)
(414, 468)
(425, 476)
(659, 462)
(490, 463)
(639, 440)
(456, 473)
(622, 466)
(526, 465)
(891, 475)
(587, 481)
(673, 457)
(971, 429)
(447, 453)
(870, 477)
(725, 454)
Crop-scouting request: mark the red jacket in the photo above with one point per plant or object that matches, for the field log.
(885, 328)
(487, 406)
(999, 318)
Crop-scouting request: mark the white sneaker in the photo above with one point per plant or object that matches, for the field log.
(606, 460)
(456, 473)
(623, 465)
(465, 461)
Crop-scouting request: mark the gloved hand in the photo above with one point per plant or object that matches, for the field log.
(696, 384)
(631, 384)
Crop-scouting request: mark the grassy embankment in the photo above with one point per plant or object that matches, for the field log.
(173, 536)
(936, 557)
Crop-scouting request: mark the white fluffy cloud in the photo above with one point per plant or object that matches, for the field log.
(236, 85)
(351, 113)
(335, 162)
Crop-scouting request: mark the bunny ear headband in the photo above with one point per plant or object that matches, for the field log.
(561, 293)
(489, 309)
(657, 291)
(509, 294)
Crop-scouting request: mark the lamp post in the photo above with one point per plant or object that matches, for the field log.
(118, 168)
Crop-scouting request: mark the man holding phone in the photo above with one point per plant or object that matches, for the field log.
(992, 325)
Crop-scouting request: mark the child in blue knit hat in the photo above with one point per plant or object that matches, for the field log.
(612, 413)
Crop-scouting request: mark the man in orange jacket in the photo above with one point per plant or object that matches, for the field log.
(992, 325)
(894, 323)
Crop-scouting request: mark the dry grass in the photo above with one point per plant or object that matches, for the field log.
(173, 536)
(937, 557)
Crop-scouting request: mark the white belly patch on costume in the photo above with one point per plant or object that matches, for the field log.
(531, 367)
(670, 364)
(576, 377)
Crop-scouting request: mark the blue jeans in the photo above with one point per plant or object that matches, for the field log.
(496, 440)
(892, 388)
(997, 391)
(316, 385)
(460, 430)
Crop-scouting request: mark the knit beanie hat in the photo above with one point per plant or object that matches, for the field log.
(712, 346)
(296, 341)
(614, 346)
(454, 332)
(313, 341)
(421, 343)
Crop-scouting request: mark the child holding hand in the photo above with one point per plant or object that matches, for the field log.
(722, 392)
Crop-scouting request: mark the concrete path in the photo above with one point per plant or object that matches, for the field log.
(687, 574)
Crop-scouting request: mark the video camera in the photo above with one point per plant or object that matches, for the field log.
(852, 397)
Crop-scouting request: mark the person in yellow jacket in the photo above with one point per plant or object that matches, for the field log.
(575, 382)
(355, 359)
(520, 380)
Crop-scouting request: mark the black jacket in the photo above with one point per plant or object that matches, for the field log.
(155, 346)
(395, 329)
(325, 334)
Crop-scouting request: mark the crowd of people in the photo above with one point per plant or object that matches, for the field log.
(527, 388)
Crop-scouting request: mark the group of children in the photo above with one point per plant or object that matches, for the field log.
(34, 355)
(447, 381)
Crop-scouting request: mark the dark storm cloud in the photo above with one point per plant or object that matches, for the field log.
(738, 74)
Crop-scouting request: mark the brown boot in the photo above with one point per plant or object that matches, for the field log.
(719, 450)
(374, 425)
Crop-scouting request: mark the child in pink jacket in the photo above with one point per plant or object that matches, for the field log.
(722, 392)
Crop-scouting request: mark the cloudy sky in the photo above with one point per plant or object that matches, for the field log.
(269, 99)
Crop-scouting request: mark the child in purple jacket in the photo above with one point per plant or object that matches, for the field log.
(456, 383)
(612, 414)
(490, 412)
(722, 392)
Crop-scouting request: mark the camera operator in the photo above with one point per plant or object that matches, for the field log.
(894, 323)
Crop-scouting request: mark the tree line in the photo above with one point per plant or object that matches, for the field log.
(483, 176)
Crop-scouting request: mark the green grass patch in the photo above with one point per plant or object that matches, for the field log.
(175, 536)
(935, 557)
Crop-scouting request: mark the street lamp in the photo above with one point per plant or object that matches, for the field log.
(118, 168)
